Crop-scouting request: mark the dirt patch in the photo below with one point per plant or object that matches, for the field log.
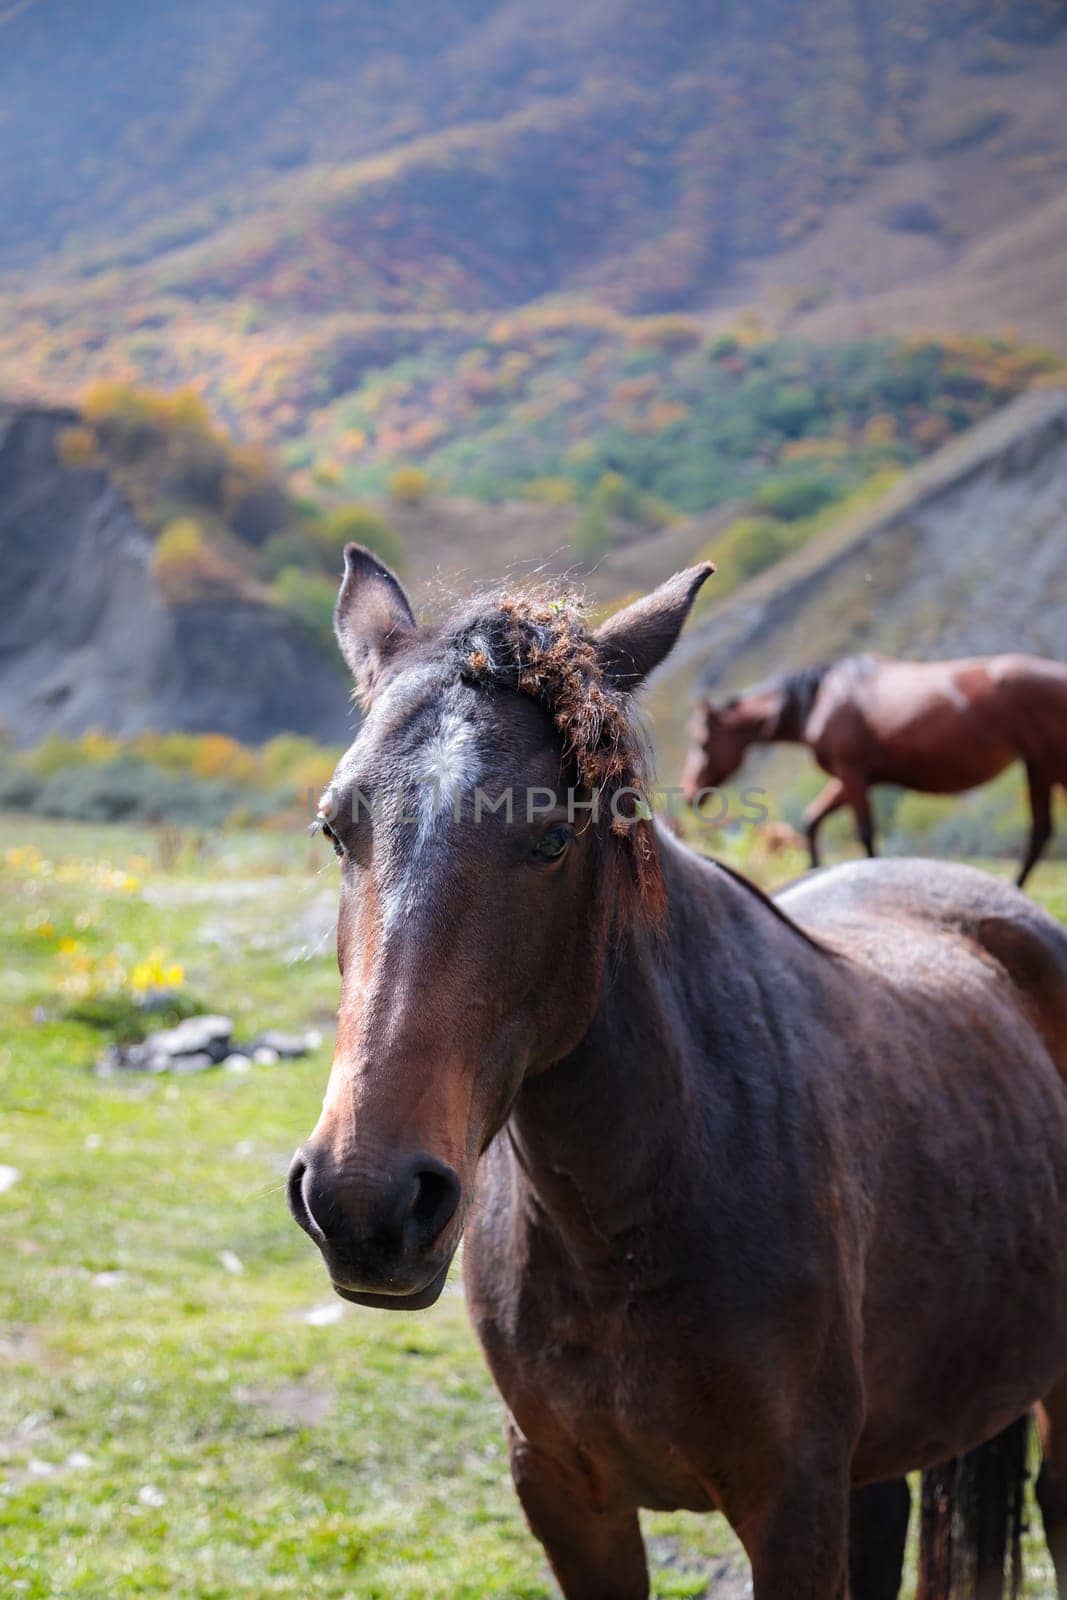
(21, 1346)
(301, 1405)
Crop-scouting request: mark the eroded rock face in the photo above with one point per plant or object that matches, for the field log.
(86, 640)
(967, 555)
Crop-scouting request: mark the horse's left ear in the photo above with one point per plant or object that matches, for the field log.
(638, 638)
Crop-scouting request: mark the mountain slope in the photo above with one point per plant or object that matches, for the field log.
(218, 194)
(967, 555)
(752, 114)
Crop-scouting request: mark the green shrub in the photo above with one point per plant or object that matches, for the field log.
(552, 491)
(310, 598)
(292, 549)
(358, 524)
(77, 449)
(793, 408)
(753, 544)
(296, 762)
(796, 496)
(187, 566)
(127, 789)
(616, 496)
(200, 779)
(409, 486)
(592, 532)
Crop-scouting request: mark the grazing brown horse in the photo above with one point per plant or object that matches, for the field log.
(938, 726)
(764, 1201)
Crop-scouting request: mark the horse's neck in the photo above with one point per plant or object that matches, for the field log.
(780, 713)
(769, 717)
(599, 1137)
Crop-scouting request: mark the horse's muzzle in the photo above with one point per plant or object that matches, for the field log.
(380, 1234)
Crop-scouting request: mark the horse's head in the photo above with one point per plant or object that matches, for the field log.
(716, 747)
(479, 892)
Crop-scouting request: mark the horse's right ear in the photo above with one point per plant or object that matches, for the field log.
(634, 641)
(371, 618)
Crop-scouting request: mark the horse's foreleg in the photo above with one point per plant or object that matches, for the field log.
(1052, 1480)
(595, 1554)
(798, 1546)
(831, 799)
(877, 1536)
(1040, 786)
(859, 798)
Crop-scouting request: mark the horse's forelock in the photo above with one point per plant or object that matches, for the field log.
(540, 645)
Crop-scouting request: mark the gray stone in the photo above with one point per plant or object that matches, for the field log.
(202, 1042)
(288, 1045)
(208, 1034)
(200, 1062)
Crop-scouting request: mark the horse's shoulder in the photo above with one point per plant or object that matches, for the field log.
(837, 710)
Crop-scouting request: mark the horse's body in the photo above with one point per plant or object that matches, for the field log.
(771, 1200)
(739, 1225)
(938, 726)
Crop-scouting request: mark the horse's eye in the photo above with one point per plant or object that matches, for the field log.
(553, 844)
(328, 833)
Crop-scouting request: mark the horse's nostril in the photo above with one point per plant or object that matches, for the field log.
(298, 1202)
(432, 1205)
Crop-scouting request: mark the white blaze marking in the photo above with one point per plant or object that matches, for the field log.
(445, 768)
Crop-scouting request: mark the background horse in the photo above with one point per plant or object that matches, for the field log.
(938, 726)
(765, 1202)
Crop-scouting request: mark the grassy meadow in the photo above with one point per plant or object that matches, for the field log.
(185, 1409)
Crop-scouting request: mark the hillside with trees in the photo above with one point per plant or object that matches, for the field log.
(492, 285)
(271, 211)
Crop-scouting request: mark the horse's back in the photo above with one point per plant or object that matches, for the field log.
(851, 905)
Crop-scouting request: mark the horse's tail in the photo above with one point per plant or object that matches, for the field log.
(973, 1519)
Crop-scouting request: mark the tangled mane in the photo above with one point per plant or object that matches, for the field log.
(541, 647)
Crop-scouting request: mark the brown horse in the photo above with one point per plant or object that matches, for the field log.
(771, 1197)
(938, 726)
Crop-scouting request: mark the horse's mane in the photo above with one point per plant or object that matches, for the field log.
(798, 690)
(540, 645)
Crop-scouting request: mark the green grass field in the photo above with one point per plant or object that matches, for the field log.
(185, 1409)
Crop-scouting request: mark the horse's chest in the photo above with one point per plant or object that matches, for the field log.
(637, 1400)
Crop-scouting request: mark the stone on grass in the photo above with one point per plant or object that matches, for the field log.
(195, 1063)
(324, 1316)
(202, 1042)
(286, 1045)
(195, 1035)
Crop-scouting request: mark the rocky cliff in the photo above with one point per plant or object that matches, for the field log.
(87, 641)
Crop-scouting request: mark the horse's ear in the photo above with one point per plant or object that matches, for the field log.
(638, 638)
(371, 618)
